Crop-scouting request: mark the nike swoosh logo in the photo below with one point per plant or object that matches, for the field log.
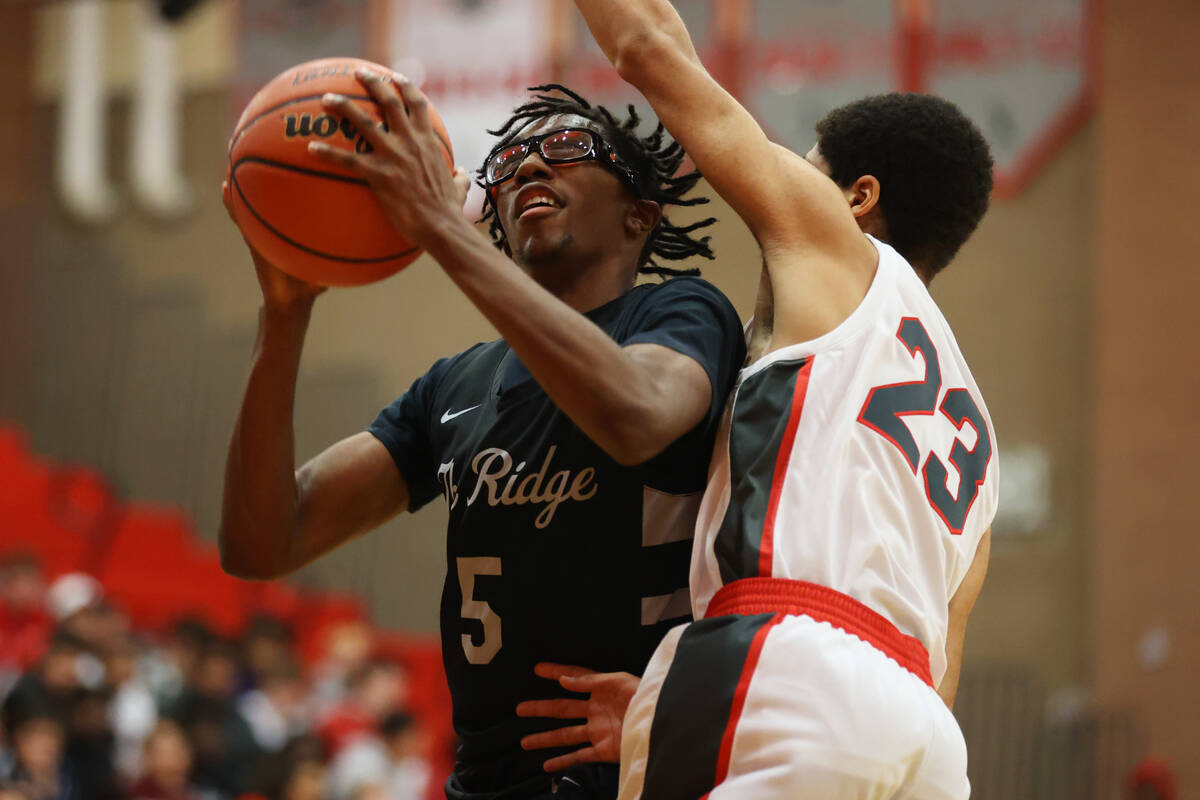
(446, 417)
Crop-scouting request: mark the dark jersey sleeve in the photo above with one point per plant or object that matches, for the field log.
(693, 317)
(403, 427)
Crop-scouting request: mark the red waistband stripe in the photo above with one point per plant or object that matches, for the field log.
(776, 595)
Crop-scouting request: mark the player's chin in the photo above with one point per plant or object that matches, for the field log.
(540, 247)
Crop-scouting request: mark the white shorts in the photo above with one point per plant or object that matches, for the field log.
(775, 705)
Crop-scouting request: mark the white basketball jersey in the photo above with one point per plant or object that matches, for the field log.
(864, 461)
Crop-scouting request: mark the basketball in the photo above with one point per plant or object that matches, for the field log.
(310, 218)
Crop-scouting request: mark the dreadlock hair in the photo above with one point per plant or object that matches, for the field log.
(932, 163)
(654, 160)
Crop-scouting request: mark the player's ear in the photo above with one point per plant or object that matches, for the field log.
(863, 195)
(643, 217)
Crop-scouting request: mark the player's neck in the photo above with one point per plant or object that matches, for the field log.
(587, 286)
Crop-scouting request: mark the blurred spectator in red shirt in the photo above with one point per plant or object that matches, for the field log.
(374, 690)
(1152, 779)
(25, 623)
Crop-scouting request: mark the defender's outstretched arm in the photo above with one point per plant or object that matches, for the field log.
(648, 44)
(819, 261)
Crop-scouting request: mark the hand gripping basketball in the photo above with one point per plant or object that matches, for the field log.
(405, 167)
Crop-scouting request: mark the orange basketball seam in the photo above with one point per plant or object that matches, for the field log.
(316, 173)
(310, 250)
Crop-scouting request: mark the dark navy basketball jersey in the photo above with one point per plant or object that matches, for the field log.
(555, 552)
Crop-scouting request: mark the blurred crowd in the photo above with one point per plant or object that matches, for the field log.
(94, 709)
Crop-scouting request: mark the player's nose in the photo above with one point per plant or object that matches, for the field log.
(532, 168)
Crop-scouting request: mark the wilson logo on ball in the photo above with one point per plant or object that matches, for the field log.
(324, 126)
(331, 71)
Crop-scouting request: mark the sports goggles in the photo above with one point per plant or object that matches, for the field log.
(563, 146)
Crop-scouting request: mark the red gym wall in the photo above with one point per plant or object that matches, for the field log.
(1146, 434)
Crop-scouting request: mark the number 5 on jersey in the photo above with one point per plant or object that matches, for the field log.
(486, 650)
(886, 407)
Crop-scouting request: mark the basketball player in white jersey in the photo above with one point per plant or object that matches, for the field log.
(844, 534)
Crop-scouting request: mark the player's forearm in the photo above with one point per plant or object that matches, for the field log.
(626, 30)
(607, 393)
(259, 509)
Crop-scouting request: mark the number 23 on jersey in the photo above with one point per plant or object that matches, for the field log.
(884, 411)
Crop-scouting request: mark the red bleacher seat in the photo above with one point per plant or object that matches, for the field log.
(158, 573)
(154, 566)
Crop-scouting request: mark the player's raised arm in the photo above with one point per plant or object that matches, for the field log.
(275, 519)
(648, 44)
(801, 219)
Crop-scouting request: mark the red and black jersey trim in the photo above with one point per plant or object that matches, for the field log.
(700, 703)
(762, 432)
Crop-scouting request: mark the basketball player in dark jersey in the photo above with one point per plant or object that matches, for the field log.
(571, 454)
